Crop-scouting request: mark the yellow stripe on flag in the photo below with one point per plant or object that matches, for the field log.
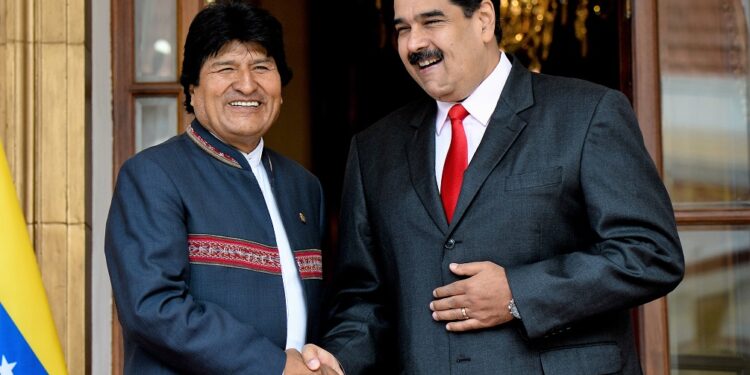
(21, 290)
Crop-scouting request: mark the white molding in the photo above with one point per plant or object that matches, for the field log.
(101, 184)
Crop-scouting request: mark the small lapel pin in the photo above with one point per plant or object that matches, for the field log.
(302, 218)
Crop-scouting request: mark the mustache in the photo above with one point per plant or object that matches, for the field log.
(415, 57)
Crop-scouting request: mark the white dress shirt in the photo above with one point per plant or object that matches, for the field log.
(296, 310)
(480, 105)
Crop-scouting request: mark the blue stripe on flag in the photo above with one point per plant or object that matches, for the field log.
(14, 347)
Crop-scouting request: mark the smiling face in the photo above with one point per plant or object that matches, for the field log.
(239, 94)
(448, 54)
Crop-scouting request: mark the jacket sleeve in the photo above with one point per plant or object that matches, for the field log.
(637, 255)
(358, 320)
(147, 256)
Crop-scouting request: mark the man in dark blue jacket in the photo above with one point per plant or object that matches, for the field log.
(213, 241)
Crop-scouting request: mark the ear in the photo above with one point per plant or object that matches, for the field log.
(487, 16)
(191, 90)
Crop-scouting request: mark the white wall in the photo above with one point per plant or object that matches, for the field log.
(101, 185)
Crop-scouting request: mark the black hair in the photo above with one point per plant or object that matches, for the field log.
(221, 23)
(471, 6)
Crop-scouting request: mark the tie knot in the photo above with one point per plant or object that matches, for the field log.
(457, 112)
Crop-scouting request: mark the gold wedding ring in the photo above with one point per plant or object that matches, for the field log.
(463, 313)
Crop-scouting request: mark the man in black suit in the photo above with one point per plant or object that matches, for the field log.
(506, 227)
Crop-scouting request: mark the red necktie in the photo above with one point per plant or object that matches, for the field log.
(455, 162)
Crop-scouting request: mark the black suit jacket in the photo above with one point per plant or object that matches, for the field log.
(561, 192)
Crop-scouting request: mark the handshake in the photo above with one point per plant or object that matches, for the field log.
(312, 360)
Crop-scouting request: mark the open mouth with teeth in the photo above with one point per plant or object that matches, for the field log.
(426, 63)
(250, 103)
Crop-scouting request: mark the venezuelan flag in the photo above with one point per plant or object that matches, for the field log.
(28, 339)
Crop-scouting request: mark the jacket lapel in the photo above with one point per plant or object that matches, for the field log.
(285, 200)
(421, 157)
(504, 127)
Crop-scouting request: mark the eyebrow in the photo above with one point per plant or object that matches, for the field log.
(232, 62)
(222, 63)
(432, 13)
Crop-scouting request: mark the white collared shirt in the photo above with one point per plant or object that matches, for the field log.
(296, 310)
(480, 105)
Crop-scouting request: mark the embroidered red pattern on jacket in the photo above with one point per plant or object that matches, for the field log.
(202, 143)
(206, 249)
(309, 263)
(232, 252)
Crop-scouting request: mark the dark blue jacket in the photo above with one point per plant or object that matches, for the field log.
(193, 260)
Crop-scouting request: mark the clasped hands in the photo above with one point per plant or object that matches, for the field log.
(478, 301)
(296, 365)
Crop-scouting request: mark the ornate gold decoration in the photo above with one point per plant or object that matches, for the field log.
(528, 25)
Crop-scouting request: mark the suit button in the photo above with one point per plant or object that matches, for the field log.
(451, 243)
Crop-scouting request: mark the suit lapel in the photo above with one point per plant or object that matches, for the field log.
(504, 127)
(421, 157)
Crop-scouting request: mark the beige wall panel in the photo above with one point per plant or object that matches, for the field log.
(8, 126)
(11, 18)
(19, 104)
(76, 126)
(3, 85)
(3, 24)
(51, 248)
(30, 228)
(52, 134)
(24, 106)
(3, 74)
(76, 20)
(76, 299)
(52, 24)
(20, 99)
(18, 18)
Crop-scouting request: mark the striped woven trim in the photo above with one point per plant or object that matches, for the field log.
(237, 253)
(309, 263)
(231, 252)
(211, 150)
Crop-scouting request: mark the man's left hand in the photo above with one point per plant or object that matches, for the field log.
(476, 302)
